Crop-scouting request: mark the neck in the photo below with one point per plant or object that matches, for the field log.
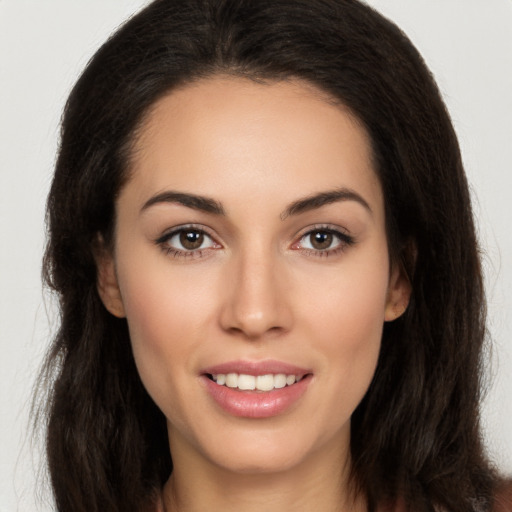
(319, 483)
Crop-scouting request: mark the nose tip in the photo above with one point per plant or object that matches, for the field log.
(256, 305)
(254, 324)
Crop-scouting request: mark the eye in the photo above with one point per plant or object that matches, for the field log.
(320, 240)
(189, 240)
(186, 241)
(323, 241)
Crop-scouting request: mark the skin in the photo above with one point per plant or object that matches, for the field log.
(258, 289)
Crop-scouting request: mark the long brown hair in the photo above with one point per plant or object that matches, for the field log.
(416, 434)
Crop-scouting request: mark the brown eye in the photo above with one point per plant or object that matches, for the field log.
(188, 242)
(321, 240)
(191, 240)
(324, 241)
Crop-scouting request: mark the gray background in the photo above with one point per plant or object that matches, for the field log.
(44, 45)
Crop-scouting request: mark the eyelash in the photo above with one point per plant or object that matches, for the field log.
(163, 242)
(344, 241)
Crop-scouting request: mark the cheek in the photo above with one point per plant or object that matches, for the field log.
(167, 314)
(346, 320)
(351, 302)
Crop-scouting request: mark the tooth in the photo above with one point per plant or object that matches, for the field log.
(232, 380)
(246, 381)
(265, 382)
(261, 382)
(280, 381)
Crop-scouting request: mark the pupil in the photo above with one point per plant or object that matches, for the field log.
(191, 239)
(321, 240)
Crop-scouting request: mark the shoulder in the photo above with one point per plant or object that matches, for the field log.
(502, 501)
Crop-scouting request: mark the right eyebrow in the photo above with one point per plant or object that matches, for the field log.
(322, 198)
(196, 202)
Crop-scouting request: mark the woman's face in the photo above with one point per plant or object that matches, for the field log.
(251, 263)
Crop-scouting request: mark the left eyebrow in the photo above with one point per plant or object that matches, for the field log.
(323, 198)
(193, 201)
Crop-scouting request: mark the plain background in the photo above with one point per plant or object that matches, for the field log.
(44, 44)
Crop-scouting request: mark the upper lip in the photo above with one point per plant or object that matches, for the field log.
(265, 367)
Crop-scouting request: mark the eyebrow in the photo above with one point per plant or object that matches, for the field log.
(323, 198)
(193, 201)
(209, 205)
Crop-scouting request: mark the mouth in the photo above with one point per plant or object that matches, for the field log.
(256, 389)
(261, 383)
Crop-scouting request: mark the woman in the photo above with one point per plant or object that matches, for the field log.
(262, 239)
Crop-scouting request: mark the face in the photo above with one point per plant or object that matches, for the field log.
(251, 263)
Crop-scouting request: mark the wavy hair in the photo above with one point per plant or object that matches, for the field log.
(416, 434)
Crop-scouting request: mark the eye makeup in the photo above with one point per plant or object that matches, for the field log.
(194, 241)
(323, 240)
(187, 241)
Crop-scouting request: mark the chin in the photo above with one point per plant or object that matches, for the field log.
(264, 450)
(260, 462)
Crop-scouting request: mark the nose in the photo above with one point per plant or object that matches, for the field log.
(256, 303)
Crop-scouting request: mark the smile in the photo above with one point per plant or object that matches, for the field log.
(246, 382)
(256, 389)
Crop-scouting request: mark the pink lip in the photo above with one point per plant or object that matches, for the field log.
(256, 368)
(256, 404)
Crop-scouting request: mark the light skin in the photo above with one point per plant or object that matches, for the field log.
(252, 227)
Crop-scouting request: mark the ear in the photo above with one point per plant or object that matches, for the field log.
(399, 293)
(106, 280)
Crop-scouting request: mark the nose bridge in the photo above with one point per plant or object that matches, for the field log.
(256, 302)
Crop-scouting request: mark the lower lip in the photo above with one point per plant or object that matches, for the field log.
(254, 404)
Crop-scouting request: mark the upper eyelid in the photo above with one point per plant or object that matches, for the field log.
(323, 227)
(169, 233)
(164, 242)
(335, 229)
(345, 237)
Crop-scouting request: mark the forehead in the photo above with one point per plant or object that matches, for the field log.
(235, 138)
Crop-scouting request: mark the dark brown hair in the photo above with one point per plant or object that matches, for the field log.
(416, 433)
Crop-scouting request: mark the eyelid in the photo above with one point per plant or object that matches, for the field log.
(168, 233)
(345, 239)
(176, 252)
